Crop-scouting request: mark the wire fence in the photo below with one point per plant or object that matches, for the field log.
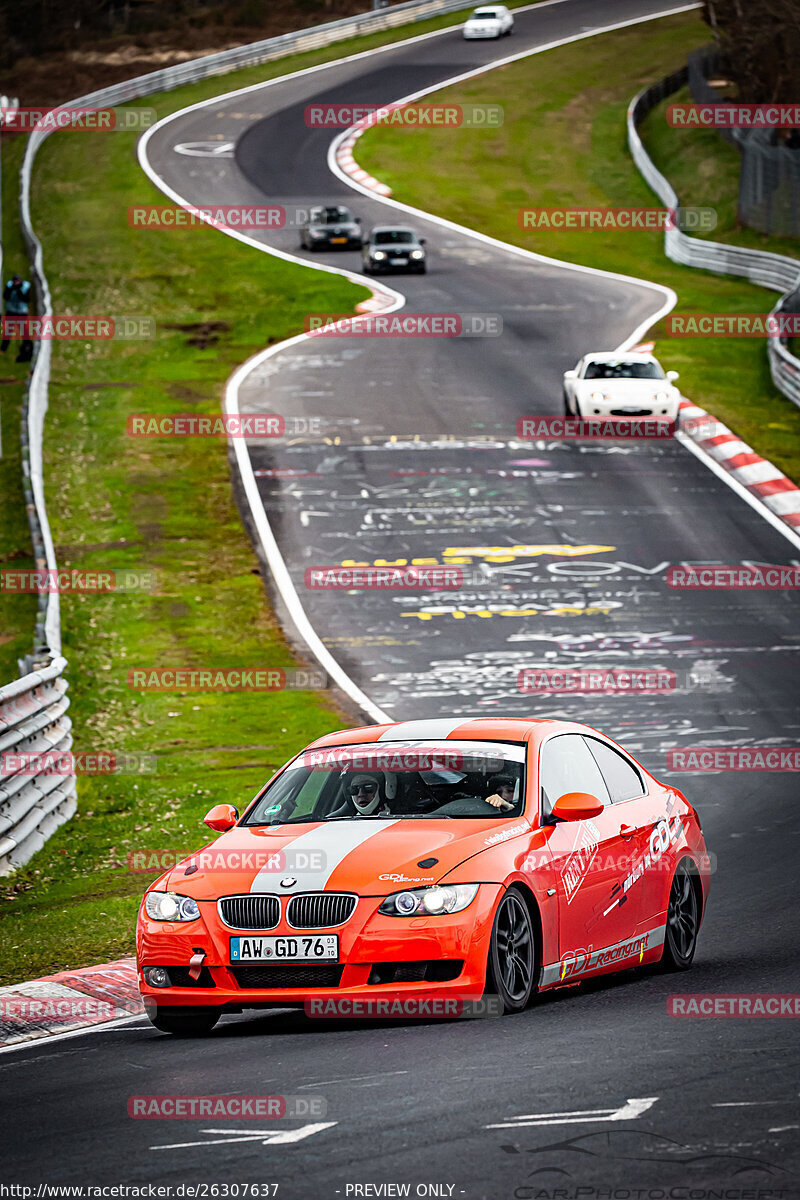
(769, 168)
(775, 271)
(32, 807)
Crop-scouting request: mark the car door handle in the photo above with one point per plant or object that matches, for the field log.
(626, 831)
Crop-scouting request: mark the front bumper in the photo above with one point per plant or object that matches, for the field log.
(369, 940)
(387, 266)
(328, 243)
(622, 410)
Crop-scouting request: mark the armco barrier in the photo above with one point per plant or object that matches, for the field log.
(33, 709)
(33, 719)
(759, 266)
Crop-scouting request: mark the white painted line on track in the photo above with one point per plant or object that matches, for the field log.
(670, 297)
(269, 545)
(49, 1038)
(629, 1111)
(268, 1137)
(350, 1079)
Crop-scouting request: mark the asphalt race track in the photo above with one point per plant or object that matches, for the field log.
(418, 459)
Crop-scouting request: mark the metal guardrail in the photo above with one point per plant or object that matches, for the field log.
(759, 266)
(33, 720)
(33, 709)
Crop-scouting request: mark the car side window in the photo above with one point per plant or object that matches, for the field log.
(623, 780)
(568, 766)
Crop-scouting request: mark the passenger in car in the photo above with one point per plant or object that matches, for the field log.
(502, 794)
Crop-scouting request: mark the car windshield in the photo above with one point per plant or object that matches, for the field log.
(388, 236)
(485, 12)
(623, 370)
(397, 780)
(332, 216)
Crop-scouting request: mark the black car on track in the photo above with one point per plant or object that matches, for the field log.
(331, 228)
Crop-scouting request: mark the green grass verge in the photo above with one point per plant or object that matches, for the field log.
(119, 502)
(17, 615)
(17, 612)
(563, 143)
(114, 502)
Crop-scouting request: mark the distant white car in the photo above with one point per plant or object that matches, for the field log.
(621, 385)
(490, 21)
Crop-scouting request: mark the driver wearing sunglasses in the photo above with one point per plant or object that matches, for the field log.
(365, 793)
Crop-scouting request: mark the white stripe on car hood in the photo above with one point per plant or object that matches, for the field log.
(420, 729)
(326, 846)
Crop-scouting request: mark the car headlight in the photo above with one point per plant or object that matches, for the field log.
(417, 253)
(598, 396)
(430, 901)
(378, 254)
(167, 906)
(317, 233)
(661, 398)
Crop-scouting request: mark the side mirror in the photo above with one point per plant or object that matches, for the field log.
(576, 806)
(221, 817)
(570, 374)
(672, 376)
(422, 241)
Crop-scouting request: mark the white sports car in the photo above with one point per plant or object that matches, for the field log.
(490, 21)
(621, 385)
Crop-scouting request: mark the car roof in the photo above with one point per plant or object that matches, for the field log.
(481, 729)
(616, 356)
(392, 229)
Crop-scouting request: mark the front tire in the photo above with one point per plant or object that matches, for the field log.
(191, 1021)
(511, 971)
(683, 921)
(567, 409)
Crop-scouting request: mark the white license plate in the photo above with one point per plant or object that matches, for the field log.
(401, 262)
(303, 948)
